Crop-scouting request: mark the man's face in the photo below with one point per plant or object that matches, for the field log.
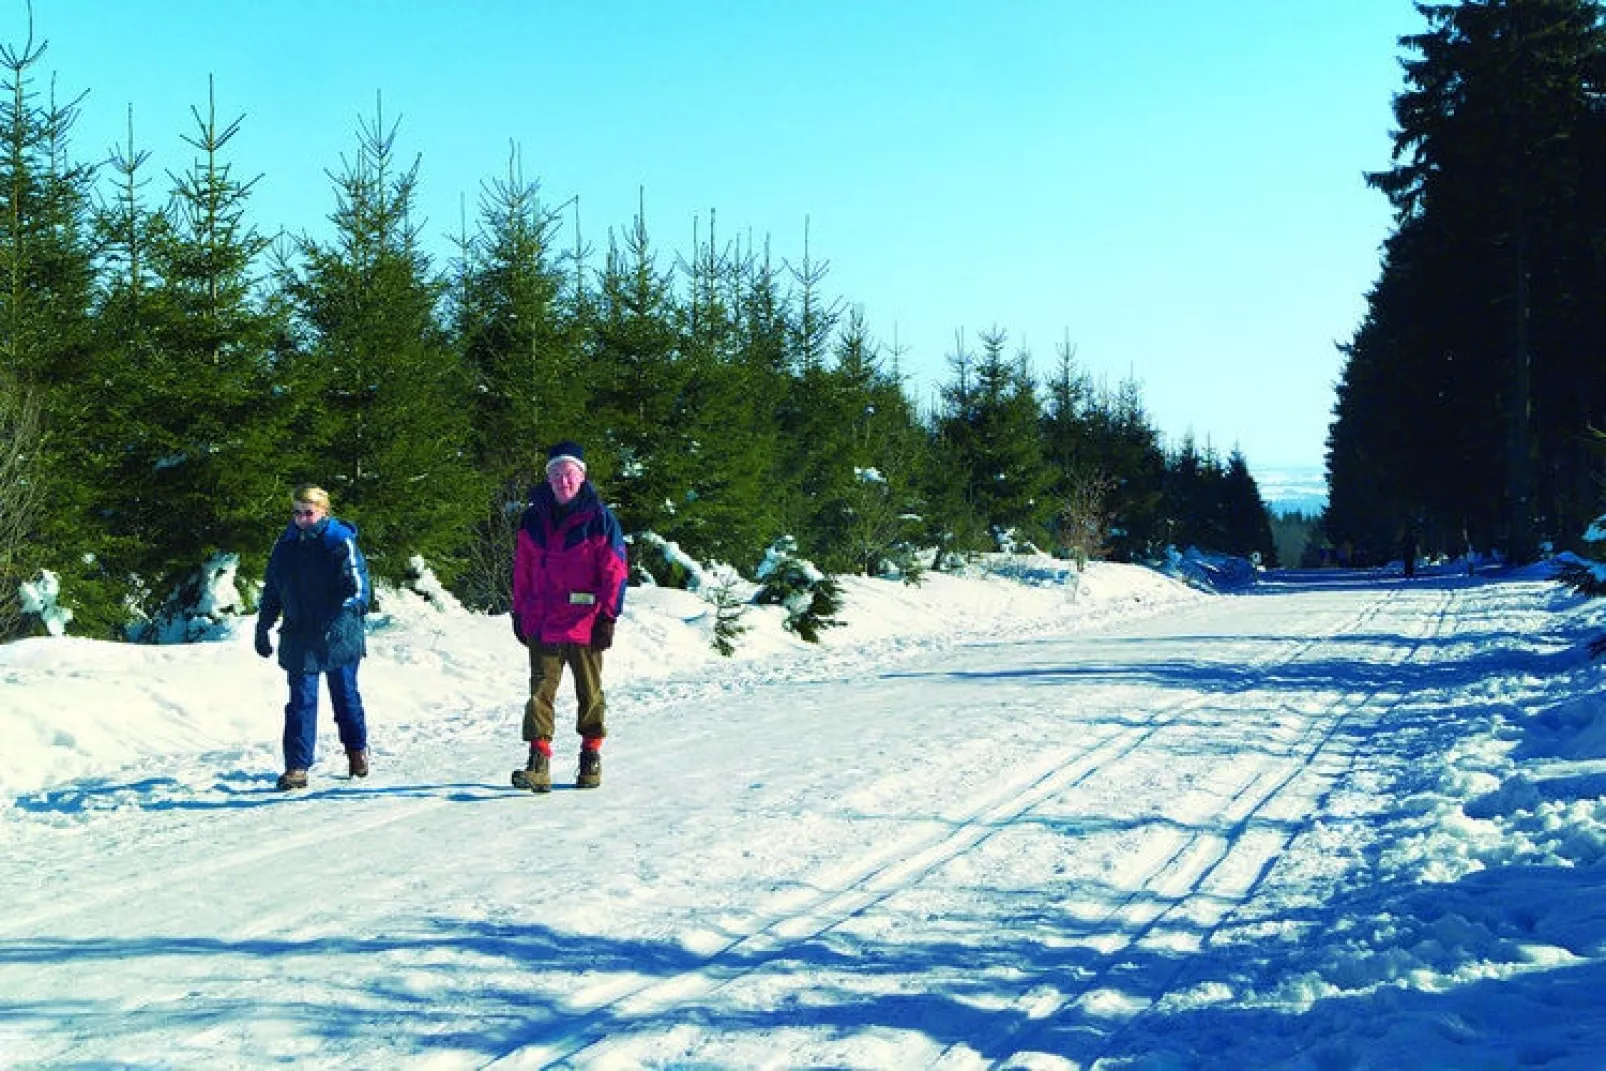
(306, 514)
(566, 478)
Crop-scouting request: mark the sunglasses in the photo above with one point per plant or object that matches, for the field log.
(303, 513)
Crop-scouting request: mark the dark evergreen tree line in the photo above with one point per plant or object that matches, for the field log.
(169, 373)
(1470, 386)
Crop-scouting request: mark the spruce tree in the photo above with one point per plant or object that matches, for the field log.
(1125, 444)
(515, 321)
(958, 526)
(1190, 498)
(121, 446)
(47, 356)
(722, 593)
(516, 325)
(1248, 522)
(882, 515)
(817, 475)
(765, 359)
(212, 432)
(1080, 486)
(640, 384)
(991, 435)
(382, 403)
(1485, 331)
(727, 510)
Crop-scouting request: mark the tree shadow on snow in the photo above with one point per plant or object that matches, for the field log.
(1381, 662)
(1047, 980)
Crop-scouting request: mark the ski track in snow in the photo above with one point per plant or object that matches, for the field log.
(1198, 877)
(1178, 758)
(1213, 873)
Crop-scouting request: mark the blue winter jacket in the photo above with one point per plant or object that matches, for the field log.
(318, 580)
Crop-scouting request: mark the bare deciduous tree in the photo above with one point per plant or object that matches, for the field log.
(1084, 516)
(19, 442)
(486, 582)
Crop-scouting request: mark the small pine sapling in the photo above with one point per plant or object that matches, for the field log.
(729, 607)
(809, 596)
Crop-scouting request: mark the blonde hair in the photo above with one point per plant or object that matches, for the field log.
(312, 495)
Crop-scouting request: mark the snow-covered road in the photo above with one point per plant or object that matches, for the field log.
(1043, 851)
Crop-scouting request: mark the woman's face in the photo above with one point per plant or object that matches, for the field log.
(307, 514)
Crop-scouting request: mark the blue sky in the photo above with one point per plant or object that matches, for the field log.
(1174, 188)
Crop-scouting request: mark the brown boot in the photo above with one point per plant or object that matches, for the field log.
(358, 763)
(536, 775)
(590, 775)
(292, 779)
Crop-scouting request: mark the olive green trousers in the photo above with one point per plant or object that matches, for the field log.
(547, 662)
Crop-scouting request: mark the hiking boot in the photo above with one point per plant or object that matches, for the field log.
(536, 775)
(292, 779)
(590, 769)
(357, 763)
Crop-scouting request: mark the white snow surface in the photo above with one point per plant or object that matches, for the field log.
(1017, 819)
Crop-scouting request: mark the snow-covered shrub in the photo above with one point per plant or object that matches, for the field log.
(658, 562)
(1587, 576)
(420, 579)
(1012, 541)
(948, 556)
(204, 607)
(881, 534)
(1032, 570)
(1209, 572)
(40, 599)
(904, 561)
(809, 596)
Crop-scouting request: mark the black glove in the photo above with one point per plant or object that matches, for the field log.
(264, 644)
(518, 630)
(602, 634)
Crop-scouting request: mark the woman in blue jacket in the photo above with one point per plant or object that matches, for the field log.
(318, 580)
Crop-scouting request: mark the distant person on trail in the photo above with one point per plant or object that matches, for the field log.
(318, 581)
(569, 575)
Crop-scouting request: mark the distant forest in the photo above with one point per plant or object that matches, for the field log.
(1296, 539)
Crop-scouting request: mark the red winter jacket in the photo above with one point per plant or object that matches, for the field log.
(568, 570)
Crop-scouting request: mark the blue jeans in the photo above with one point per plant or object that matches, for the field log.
(301, 715)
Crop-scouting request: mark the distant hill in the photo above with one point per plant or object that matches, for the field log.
(1291, 488)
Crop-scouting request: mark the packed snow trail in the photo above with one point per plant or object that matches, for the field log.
(998, 854)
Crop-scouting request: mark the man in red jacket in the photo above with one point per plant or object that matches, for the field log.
(569, 574)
